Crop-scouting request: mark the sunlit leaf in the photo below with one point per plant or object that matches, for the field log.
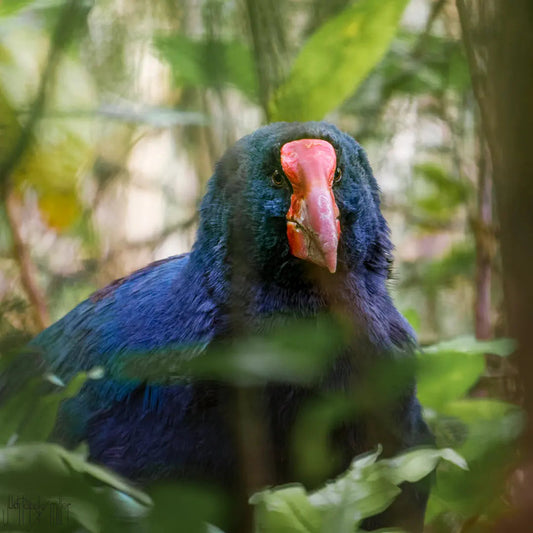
(285, 510)
(336, 59)
(416, 464)
(469, 344)
(59, 209)
(413, 317)
(367, 488)
(9, 7)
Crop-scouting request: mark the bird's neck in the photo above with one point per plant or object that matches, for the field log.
(301, 291)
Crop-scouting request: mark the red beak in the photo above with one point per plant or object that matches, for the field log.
(313, 227)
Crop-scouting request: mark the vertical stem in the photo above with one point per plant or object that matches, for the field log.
(252, 442)
(26, 267)
(483, 237)
(269, 42)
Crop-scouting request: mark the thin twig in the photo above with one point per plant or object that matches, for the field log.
(26, 266)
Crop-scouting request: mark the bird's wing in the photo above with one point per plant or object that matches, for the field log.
(160, 307)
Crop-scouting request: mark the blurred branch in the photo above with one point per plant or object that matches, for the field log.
(270, 45)
(436, 9)
(484, 239)
(412, 219)
(26, 266)
(158, 117)
(155, 241)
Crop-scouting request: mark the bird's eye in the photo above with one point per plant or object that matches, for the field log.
(277, 179)
(338, 175)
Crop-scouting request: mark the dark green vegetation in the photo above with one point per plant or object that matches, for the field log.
(475, 434)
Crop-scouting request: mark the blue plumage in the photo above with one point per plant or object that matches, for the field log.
(240, 275)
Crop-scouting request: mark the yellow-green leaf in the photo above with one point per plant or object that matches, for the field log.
(336, 59)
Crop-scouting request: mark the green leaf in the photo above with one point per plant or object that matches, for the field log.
(416, 464)
(468, 344)
(15, 408)
(42, 416)
(285, 510)
(413, 317)
(366, 489)
(209, 63)
(444, 376)
(10, 7)
(59, 150)
(187, 507)
(336, 59)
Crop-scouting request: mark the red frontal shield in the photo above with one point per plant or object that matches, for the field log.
(313, 227)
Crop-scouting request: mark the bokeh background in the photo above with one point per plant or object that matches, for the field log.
(144, 97)
(114, 112)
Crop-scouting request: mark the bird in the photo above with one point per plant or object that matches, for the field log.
(290, 228)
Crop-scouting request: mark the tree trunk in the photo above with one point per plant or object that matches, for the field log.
(498, 36)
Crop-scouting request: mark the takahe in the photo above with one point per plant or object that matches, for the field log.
(290, 228)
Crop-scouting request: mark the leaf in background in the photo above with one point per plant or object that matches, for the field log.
(491, 423)
(336, 59)
(41, 418)
(469, 344)
(9, 126)
(457, 263)
(59, 208)
(10, 7)
(15, 408)
(449, 192)
(60, 148)
(209, 63)
(413, 317)
(445, 376)
(492, 429)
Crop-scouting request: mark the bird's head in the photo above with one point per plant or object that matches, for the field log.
(295, 195)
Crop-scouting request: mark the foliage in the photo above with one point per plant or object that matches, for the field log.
(366, 489)
(480, 430)
(330, 65)
(209, 63)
